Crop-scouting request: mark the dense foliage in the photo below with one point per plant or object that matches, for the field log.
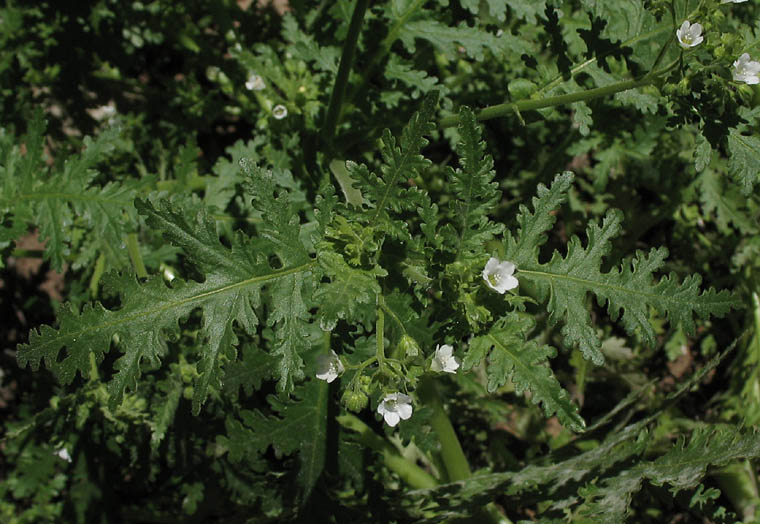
(400, 261)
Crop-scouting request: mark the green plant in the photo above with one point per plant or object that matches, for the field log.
(387, 305)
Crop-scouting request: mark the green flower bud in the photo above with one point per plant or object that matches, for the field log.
(354, 400)
(746, 93)
(755, 95)
(408, 347)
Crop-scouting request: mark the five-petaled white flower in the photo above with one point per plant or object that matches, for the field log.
(498, 275)
(255, 83)
(395, 407)
(746, 70)
(444, 359)
(63, 454)
(279, 111)
(329, 366)
(689, 35)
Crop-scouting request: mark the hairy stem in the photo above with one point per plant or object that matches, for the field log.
(410, 473)
(454, 460)
(100, 267)
(379, 332)
(384, 49)
(135, 256)
(509, 108)
(583, 65)
(344, 69)
(27, 253)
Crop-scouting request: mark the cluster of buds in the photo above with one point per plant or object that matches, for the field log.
(745, 70)
(397, 406)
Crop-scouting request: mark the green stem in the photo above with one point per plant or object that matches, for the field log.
(583, 65)
(384, 49)
(344, 69)
(410, 473)
(454, 460)
(135, 256)
(393, 316)
(100, 267)
(27, 253)
(508, 108)
(195, 183)
(379, 332)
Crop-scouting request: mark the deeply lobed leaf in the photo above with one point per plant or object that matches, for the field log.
(476, 192)
(511, 356)
(629, 291)
(299, 426)
(229, 295)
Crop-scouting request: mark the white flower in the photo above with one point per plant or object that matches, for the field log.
(255, 83)
(746, 70)
(395, 407)
(279, 111)
(498, 275)
(106, 112)
(444, 360)
(329, 366)
(689, 35)
(63, 454)
(732, 1)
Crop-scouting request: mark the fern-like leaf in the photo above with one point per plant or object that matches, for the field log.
(512, 356)
(401, 161)
(476, 193)
(681, 468)
(629, 291)
(349, 288)
(31, 195)
(230, 294)
(744, 160)
(298, 426)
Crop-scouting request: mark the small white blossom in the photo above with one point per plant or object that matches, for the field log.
(63, 454)
(329, 367)
(746, 70)
(498, 275)
(689, 35)
(395, 407)
(279, 111)
(444, 360)
(255, 83)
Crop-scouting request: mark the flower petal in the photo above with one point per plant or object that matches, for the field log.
(392, 418)
(404, 411)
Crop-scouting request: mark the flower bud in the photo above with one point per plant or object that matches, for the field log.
(354, 400)
(408, 346)
(746, 93)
